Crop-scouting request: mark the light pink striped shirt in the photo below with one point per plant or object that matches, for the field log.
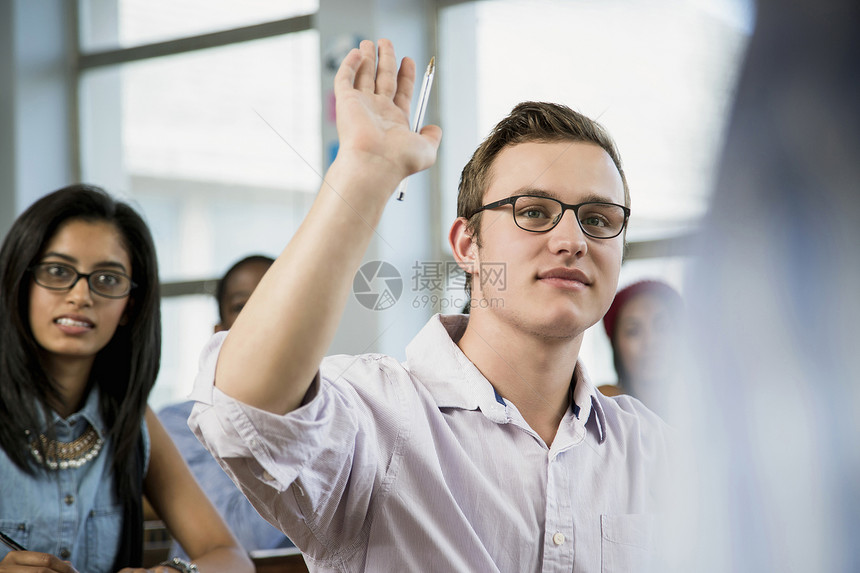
(421, 466)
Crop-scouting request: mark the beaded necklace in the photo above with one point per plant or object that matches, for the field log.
(64, 455)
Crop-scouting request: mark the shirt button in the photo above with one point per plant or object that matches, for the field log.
(558, 538)
(69, 499)
(65, 553)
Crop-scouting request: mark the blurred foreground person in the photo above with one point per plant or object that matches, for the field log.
(775, 305)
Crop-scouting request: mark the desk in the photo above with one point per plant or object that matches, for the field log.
(287, 560)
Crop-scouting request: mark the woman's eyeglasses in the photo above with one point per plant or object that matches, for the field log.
(60, 276)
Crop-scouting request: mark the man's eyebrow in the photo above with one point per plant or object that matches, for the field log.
(73, 260)
(587, 198)
(535, 192)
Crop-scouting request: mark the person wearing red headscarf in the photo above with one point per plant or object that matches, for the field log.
(643, 325)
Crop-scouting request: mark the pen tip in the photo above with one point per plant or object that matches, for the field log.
(432, 64)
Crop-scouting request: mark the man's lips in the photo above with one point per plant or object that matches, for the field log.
(564, 275)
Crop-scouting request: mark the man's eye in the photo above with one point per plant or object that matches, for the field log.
(593, 220)
(533, 213)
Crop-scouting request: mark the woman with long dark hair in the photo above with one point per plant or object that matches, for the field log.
(80, 345)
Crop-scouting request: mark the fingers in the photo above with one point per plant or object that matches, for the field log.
(365, 77)
(386, 71)
(360, 70)
(36, 560)
(357, 69)
(344, 79)
(405, 84)
(433, 134)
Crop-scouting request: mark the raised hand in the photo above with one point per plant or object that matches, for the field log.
(273, 351)
(373, 98)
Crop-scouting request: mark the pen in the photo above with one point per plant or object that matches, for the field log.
(11, 542)
(423, 98)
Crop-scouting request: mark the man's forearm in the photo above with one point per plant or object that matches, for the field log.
(275, 346)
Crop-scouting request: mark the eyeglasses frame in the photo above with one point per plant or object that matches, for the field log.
(564, 207)
(78, 277)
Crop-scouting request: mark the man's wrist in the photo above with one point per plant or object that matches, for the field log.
(369, 175)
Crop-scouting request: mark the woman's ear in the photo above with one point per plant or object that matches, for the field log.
(463, 245)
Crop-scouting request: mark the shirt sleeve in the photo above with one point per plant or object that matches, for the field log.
(313, 471)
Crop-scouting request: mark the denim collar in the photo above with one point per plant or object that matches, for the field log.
(88, 415)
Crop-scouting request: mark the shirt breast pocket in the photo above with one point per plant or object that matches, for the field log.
(103, 530)
(627, 543)
(16, 530)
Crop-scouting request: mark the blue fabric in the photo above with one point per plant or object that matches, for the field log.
(252, 531)
(72, 513)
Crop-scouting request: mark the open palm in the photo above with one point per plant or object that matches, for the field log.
(373, 111)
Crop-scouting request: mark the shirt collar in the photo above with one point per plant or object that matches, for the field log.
(585, 399)
(455, 382)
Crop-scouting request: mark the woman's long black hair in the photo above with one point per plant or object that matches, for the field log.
(124, 371)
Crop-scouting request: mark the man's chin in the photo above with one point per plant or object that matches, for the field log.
(561, 326)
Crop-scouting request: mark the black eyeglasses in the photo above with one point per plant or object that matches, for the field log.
(539, 214)
(60, 276)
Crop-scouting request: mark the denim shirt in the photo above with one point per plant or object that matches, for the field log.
(71, 513)
(252, 531)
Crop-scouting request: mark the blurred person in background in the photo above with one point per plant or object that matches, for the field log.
(645, 327)
(253, 532)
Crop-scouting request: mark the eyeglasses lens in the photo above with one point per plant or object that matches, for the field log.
(601, 220)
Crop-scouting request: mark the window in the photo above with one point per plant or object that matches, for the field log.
(219, 147)
(658, 75)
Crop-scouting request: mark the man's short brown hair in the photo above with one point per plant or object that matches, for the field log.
(528, 122)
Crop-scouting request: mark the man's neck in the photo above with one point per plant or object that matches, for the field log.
(532, 372)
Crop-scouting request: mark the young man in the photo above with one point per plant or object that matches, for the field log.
(489, 449)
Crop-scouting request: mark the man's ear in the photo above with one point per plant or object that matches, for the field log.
(464, 247)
